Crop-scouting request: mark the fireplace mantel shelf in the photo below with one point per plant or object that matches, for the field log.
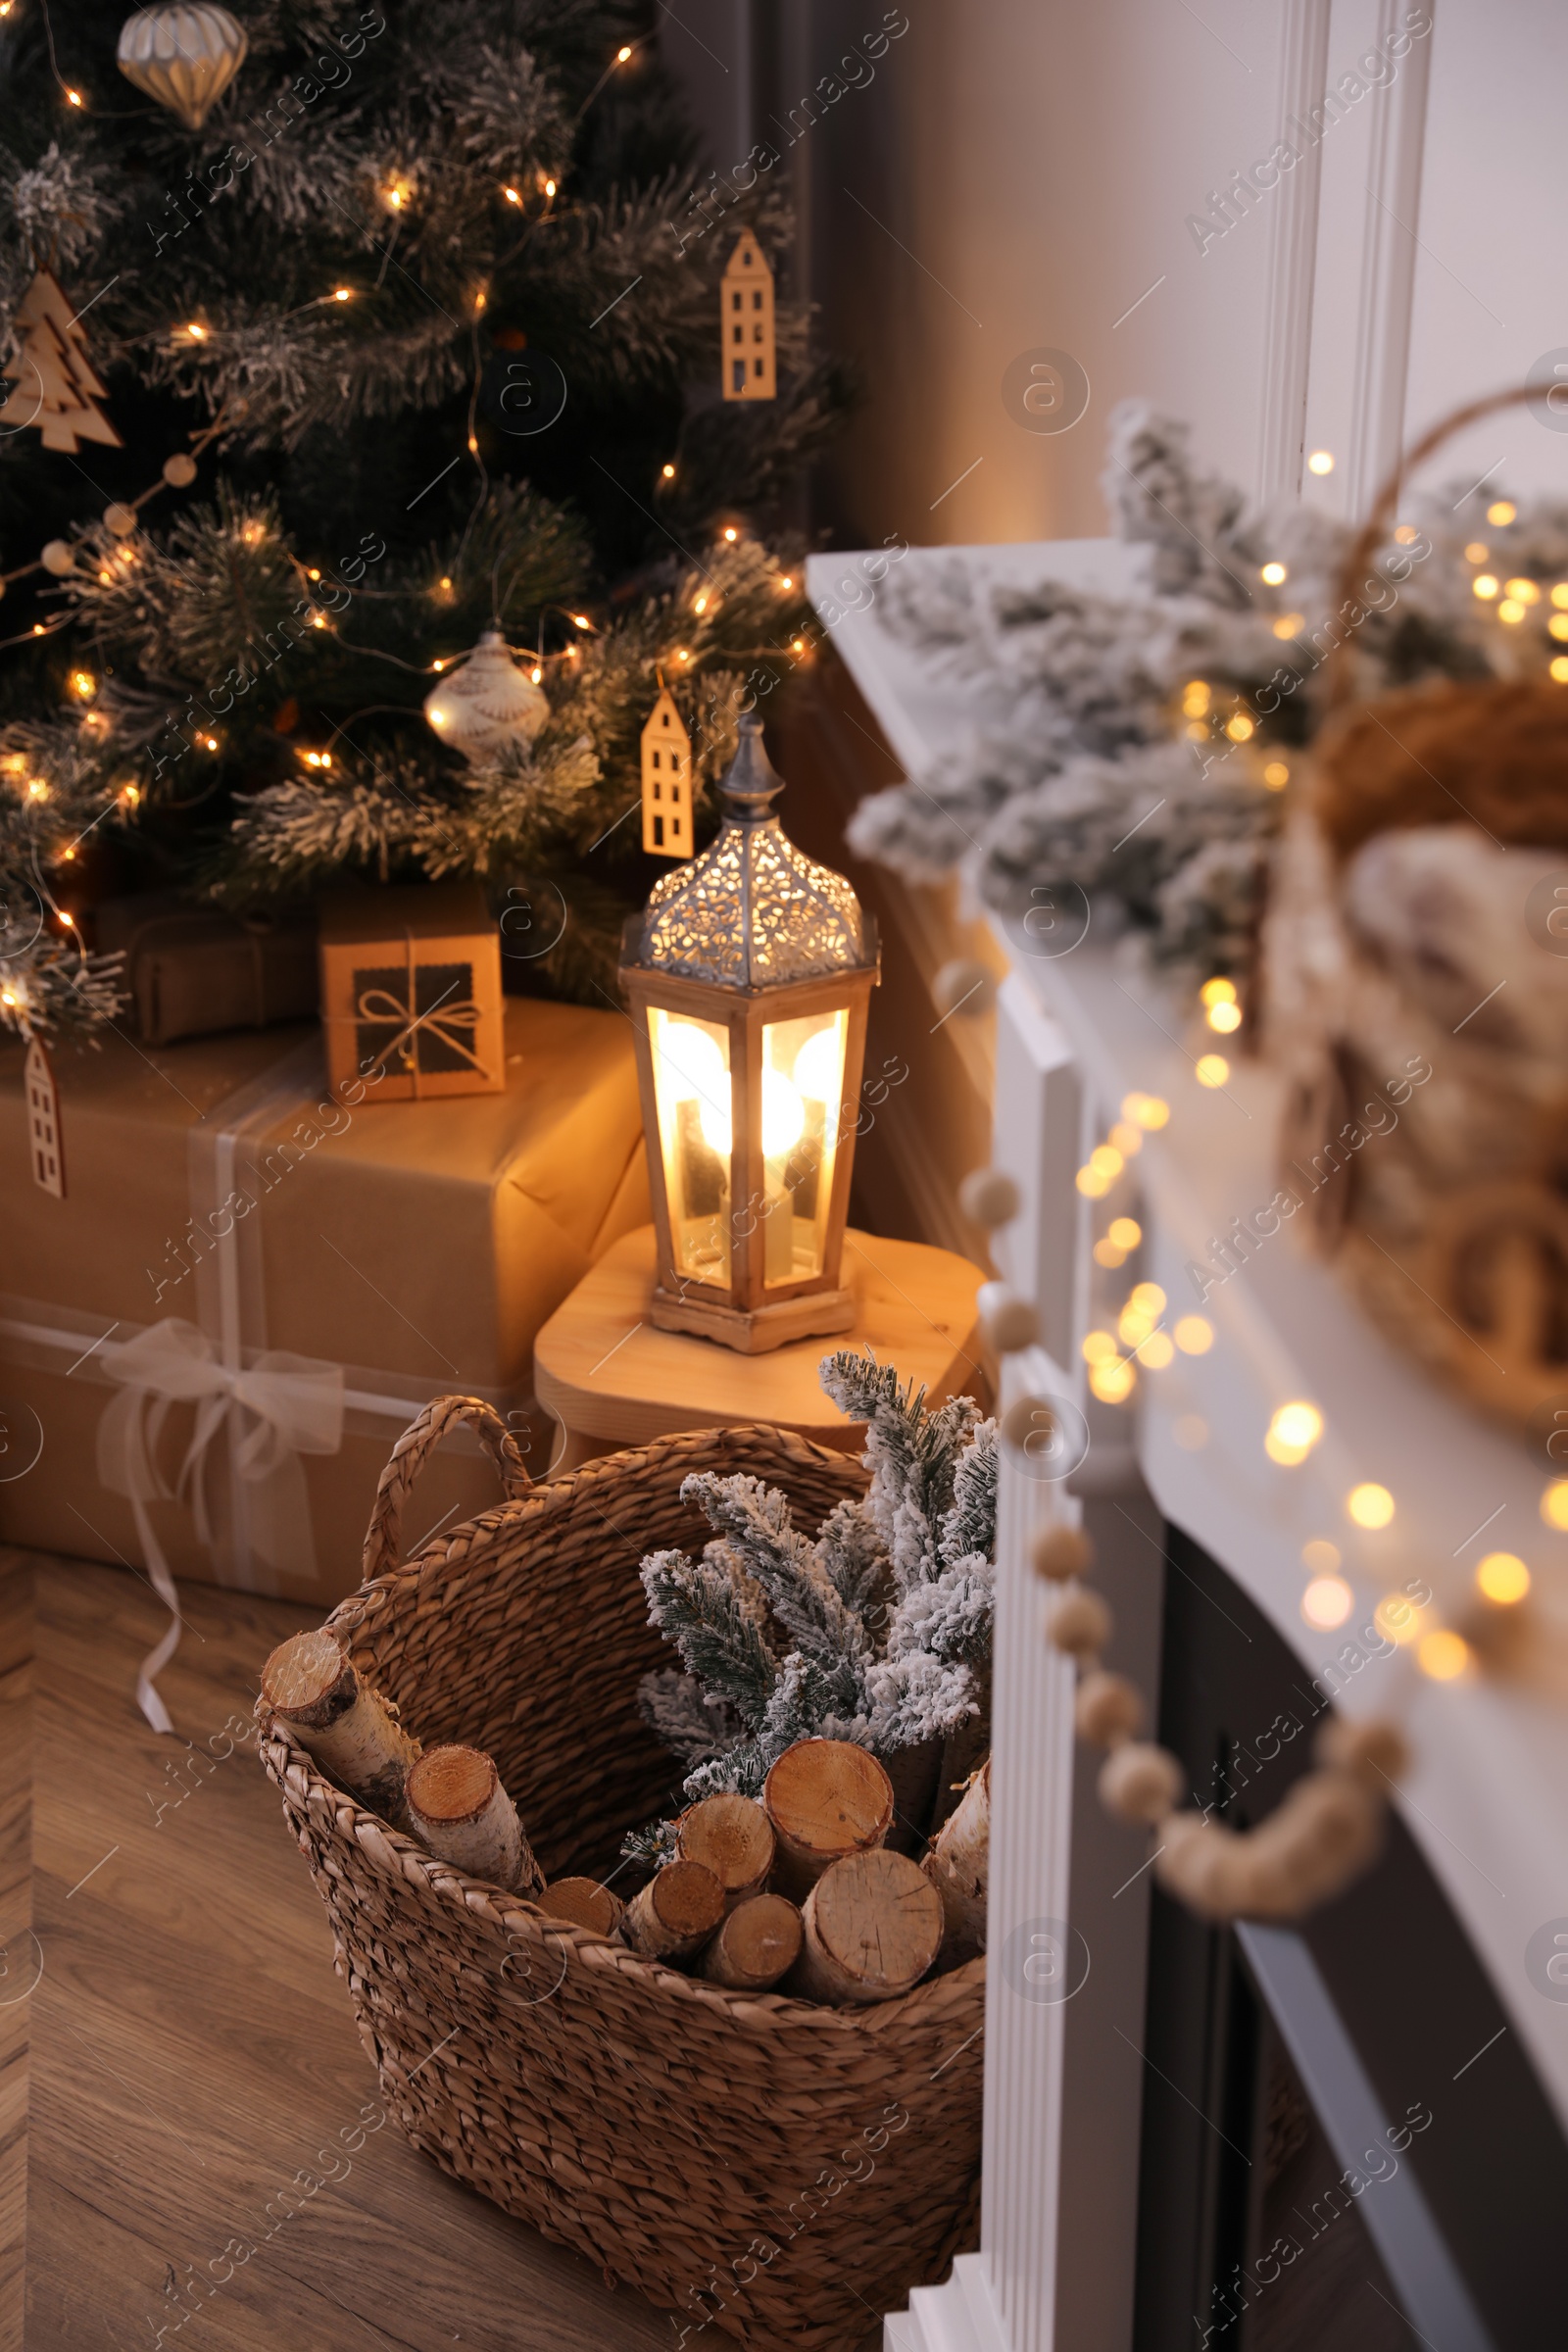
(1485, 1798)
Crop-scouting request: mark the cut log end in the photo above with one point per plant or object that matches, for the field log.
(826, 1798)
(676, 1913)
(308, 1682)
(872, 1927)
(451, 1785)
(731, 1836)
(759, 1943)
(584, 1903)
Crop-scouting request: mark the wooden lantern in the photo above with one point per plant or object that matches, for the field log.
(749, 978)
(745, 301)
(666, 782)
(410, 991)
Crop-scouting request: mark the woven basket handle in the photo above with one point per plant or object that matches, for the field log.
(420, 1439)
(1338, 673)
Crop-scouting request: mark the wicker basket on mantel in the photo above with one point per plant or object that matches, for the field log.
(781, 2172)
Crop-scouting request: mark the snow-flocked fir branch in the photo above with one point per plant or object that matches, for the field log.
(1131, 747)
(879, 1630)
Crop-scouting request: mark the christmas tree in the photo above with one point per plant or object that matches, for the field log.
(414, 339)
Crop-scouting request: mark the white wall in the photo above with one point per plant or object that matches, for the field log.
(1018, 175)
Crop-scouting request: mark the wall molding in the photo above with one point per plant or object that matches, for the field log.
(1389, 249)
(1293, 260)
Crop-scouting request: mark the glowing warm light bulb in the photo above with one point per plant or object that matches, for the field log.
(582, 621)
(536, 675)
(1239, 728)
(1106, 1161)
(196, 331)
(1369, 1505)
(342, 293)
(1100, 1348)
(1149, 1297)
(1224, 1017)
(73, 98)
(1125, 1231)
(701, 605)
(1275, 775)
(1327, 1602)
(1193, 1335)
(1485, 585)
(1557, 625)
(550, 188)
(1092, 1183)
(731, 533)
(786, 581)
(1525, 592)
(1503, 1577)
(798, 645)
(818, 1066)
(512, 196)
(1554, 1503)
(69, 920)
(1212, 1069)
(622, 55)
(669, 473)
(1195, 698)
(783, 1115)
(1112, 1384)
(1442, 1655)
(1133, 1326)
(1320, 462)
(681, 654)
(1274, 573)
(1557, 667)
(1294, 1431)
(1501, 511)
(1218, 990)
(1510, 611)
(37, 790)
(83, 684)
(692, 1066)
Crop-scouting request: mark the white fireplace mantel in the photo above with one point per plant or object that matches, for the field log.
(1483, 1801)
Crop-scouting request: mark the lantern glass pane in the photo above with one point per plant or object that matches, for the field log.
(803, 1085)
(692, 1091)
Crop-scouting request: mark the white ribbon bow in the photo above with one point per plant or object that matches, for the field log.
(288, 1406)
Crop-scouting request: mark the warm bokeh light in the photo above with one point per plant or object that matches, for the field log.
(1477, 552)
(1554, 1503)
(1502, 1577)
(1112, 1384)
(1525, 592)
(1369, 1505)
(1225, 1018)
(1510, 611)
(1275, 775)
(1274, 573)
(1092, 1183)
(1327, 1602)
(1239, 728)
(1557, 669)
(1100, 1348)
(1501, 511)
(1193, 1335)
(1442, 1655)
(1154, 1352)
(1146, 1110)
(1320, 462)
(1217, 991)
(1106, 1161)
(1105, 1253)
(1321, 1556)
(1396, 1618)
(1485, 585)
(1288, 623)
(1294, 1431)
(669, 473)
(1127, 1232)
(1212, 1069)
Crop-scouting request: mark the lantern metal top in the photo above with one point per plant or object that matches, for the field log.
(753, 911)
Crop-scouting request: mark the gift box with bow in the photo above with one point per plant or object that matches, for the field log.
(256, 1278)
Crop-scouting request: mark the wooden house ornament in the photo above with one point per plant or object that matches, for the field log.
(666, 782)
(747, 324)
(46, 1148)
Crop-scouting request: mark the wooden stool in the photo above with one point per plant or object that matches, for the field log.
(611, 1380)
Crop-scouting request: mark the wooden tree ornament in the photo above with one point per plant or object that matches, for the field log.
(458, 1809)
(675, 1914)
(45, 1146)
(584, 1902)
(870, 1929)
(958, 1868)
(729, 1836)
(666, 781)
(825, 1799)
(746, 324)
(758, 1944)
(343, 1723)
(55, 385)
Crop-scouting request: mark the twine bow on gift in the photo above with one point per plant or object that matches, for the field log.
(288, 1406)
(444, 1020)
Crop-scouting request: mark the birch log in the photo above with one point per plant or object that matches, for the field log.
(870, 1929)
(460, 1811)
(343, 1722)
(731, 1836)
(676, 1913)
(584, 1902)
(958, 1866)
(759, 1942)
(826, 1798)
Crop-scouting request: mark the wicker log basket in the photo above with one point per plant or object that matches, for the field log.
(780, 2171)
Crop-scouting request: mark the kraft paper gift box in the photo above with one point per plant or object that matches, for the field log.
(285, 1273)
(411, 985)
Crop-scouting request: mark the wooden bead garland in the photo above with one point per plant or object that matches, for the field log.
(1327, 1829)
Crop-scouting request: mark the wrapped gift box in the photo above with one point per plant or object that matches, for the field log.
(286, 1272)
